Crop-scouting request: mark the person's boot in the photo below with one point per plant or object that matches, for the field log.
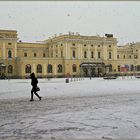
(40, 98)
(32, 100)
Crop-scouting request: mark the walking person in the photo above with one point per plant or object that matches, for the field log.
(34, 83)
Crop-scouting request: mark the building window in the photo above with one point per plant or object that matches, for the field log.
(49, 68)
(132, 67)
(85, 45)
(34, 54)
(124, 56)
(28, 68)
(98, 45)
(10, 69)
(85, 54)
(61, 53)
(138, 68)
(118, 68)
(56, 53)
(129, 56)
(61, 44)
(73, 44)
(9, 43)
(39, 68)
(73, 54)
(25, 54)
(44, 55)
(59, 68)
(92, 55)
(74, 69)
(9, 54)
(118, 56)
(109, 46)
(99, 54)
(91, 45)
(110, 55)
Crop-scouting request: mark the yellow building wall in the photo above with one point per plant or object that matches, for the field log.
(59, 50)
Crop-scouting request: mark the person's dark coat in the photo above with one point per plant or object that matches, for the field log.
(34, 81)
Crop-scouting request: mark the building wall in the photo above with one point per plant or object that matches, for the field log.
(60, 50)
(8, 50)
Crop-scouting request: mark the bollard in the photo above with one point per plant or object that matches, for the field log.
(67, 80)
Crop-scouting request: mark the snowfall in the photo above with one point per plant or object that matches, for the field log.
(81, 109)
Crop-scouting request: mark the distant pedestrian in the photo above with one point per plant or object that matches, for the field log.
(34, 83)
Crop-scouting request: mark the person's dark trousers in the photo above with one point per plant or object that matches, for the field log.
(33, 91)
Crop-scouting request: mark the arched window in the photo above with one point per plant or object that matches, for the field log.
(25, 54)
(34, 54)
(99, 54)
(118, 68)
(92, 55)
(74, 68)
(61, 53)
(49, 68)
(73, 54)
(110, 55)
(85, 54)
(39, 68)
(28, 68)
(59, 68)
(9, 54)
(44, 55)
(10, 69)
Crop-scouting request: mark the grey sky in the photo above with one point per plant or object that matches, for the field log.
(36, 21)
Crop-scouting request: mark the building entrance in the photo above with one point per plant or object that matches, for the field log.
(94, 69)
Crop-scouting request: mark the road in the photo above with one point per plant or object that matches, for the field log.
(102, 117)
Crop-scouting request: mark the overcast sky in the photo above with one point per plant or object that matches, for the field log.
(36, 21)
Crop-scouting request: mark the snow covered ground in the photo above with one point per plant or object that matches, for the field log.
(96, 108)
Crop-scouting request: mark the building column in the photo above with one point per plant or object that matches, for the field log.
(89, 52)
(54, 70)
(66, 51)
(44, 70)
(3, 51)
(15, 49)
(81, 52)
(34, 68)
(96, 53)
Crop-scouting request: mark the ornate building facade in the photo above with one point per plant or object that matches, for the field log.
(65, 56)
